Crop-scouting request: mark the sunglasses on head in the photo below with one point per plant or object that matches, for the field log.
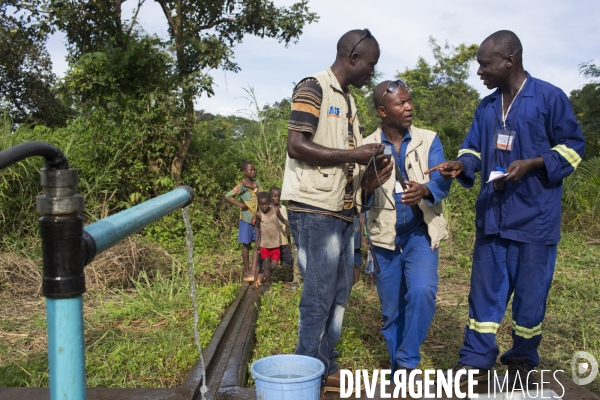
(392, 87)
(365, 36)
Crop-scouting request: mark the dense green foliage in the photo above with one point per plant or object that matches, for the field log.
(443, 100)
(586, 106)
(125, 138)
(363, 97)
(114, 174)
(202, 34)
(27, 89)
(581, 196)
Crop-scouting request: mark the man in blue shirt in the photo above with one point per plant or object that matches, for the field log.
(524, 140)
(406, 225)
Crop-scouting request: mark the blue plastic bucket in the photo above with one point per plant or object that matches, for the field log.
(287, 377)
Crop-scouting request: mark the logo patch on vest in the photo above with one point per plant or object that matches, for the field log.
(334, 112)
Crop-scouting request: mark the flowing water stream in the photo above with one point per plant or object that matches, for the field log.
(189, 241)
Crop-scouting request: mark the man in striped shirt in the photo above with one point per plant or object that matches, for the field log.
(321, 177)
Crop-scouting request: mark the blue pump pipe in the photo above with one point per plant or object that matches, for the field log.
(66, 248)
(66, 348)
(66, 345)
(111, 230)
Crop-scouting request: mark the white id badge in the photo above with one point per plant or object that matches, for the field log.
(399, 187)
(503, 140)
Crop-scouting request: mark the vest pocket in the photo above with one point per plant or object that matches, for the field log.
(374, 224)
(324, 178)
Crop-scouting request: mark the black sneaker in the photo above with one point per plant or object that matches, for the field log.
(481, 377)
(517, 374)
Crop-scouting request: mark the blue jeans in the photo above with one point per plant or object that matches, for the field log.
(325, 259)
(407, 285)
(357, 241)
(501, 268)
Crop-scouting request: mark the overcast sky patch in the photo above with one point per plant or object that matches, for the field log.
(557, 36)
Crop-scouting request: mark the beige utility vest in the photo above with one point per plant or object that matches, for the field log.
(321, 186)
(382, 222)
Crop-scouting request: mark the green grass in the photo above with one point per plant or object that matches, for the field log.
(145, 339)
(141, 335)
(573, 314)
(138, 337)
(572, 319)
(361, 344)
(278, 313)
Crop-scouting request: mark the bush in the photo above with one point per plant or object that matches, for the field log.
(581, 197)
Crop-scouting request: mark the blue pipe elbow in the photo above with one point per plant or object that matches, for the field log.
(104, 234)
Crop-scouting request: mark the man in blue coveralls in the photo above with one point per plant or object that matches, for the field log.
(524, 140)
(405, 239)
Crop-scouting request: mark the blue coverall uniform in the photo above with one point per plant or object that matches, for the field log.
(517, 230)
(408, 277)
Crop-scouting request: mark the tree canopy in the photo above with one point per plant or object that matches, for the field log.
(26, 79)
(202, 35)
(586, 106)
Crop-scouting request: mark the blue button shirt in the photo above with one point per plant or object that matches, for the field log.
(406, 221)
(527, 211)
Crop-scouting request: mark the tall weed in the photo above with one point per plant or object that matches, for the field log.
(267, 142)
(581, 196)
(19, 184)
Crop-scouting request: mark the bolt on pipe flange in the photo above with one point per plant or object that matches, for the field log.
(60, 193)
(57, 206)
(59, 178)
